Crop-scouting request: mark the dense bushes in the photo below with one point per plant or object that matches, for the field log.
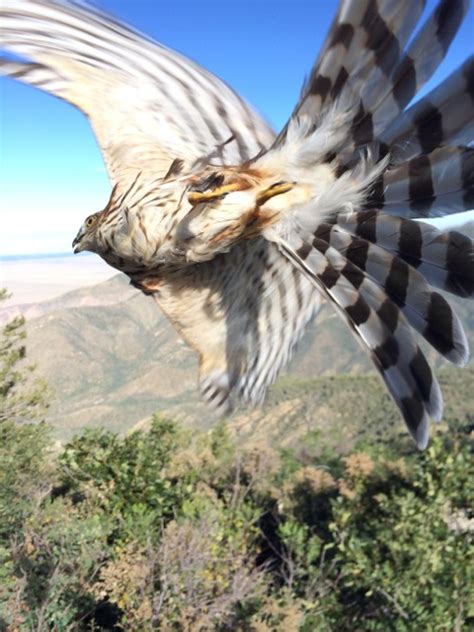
(168, 530)
(161, 530)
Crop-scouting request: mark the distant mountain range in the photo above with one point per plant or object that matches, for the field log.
(112, 359)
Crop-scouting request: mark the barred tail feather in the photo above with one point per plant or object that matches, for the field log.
(383, 98)
(445, 259)
(378, 272)
(365, 35)
(366, 38)
(426, 310)
(379, 326)
(357, 240)
(444, 117)
(430, 185)
(365, 65)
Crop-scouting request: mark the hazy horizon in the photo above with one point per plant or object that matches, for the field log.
(37, 278)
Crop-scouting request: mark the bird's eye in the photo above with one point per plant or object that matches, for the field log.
(90, 220)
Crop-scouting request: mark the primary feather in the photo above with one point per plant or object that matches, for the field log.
(236, 233)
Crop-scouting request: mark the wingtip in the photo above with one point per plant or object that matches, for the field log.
(460, 354)
(215, 390)
(422, 434)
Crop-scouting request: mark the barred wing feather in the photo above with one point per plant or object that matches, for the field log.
(147, 104)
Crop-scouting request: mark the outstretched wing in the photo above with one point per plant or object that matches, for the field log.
(242, 312)
(357, 241)
(147, 104)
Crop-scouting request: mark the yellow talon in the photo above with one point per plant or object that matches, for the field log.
(196, 197)
(275, 189)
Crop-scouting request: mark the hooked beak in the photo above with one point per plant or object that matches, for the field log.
(76, 244)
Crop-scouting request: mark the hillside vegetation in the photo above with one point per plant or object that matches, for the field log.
(161, 531)
(339, 528)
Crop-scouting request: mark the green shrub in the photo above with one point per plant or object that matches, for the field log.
(171, 530)
(404, 542)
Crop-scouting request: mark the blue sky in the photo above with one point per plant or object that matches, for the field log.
(52, 174)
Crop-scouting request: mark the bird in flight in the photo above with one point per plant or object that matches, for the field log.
(238, 233)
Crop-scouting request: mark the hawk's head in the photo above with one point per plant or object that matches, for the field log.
(134, 230)
(86, 237)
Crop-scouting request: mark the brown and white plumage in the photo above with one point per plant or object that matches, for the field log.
(236, 233)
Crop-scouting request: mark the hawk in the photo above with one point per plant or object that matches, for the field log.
(237, 233)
